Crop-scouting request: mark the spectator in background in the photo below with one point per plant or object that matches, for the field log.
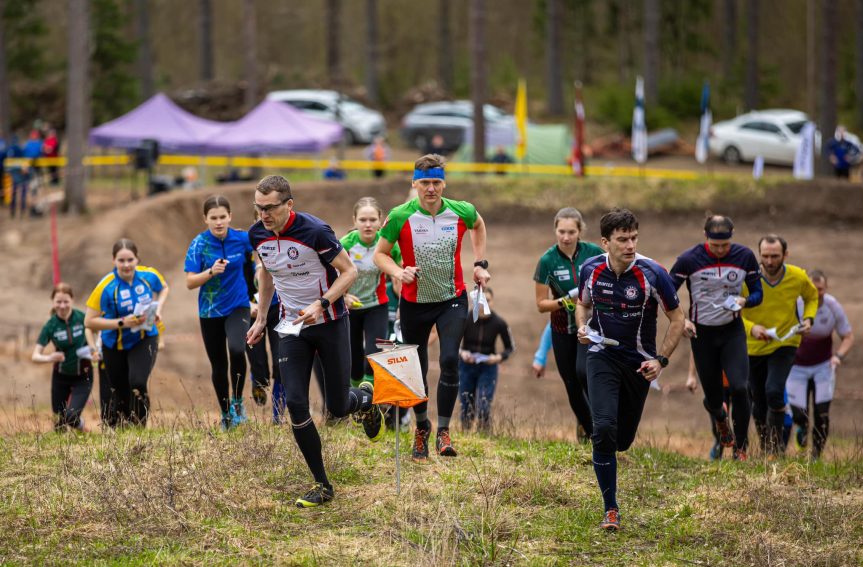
(478, 367)
(437, 145)
(51, 149)
(19, 177)
(501, 157)
(843, 153)
(379, 152)
(334, 172)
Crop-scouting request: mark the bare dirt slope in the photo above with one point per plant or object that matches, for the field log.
(164, 226)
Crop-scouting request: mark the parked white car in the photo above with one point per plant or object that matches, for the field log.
(361, 124)
(448, 119)
(771, 134)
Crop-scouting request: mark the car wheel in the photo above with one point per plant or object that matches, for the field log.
(731, 155)
(350, 137)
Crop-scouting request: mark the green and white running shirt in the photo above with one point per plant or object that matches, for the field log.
(433, 244)
(371, 286)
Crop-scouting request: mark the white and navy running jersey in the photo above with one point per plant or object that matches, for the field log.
(624, 307)
(817, 345)
(710, 280)
(299, 260)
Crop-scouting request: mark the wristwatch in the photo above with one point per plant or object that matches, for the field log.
(325, 303)
(481, 264)
(120, 323)
(663, 360)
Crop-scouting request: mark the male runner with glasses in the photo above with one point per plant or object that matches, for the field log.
(429, 230)
(310, 270)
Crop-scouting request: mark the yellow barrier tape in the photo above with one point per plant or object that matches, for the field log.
(362, 165)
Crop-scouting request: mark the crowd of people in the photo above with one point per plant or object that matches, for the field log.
(25, 179)
(758, 326)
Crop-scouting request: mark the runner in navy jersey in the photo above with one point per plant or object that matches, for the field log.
(310, 270)
(715, 272)
(623, 289)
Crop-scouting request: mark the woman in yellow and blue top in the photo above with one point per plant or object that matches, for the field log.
(773, 333)
(129, 352)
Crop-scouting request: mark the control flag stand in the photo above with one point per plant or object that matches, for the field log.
(398, 382)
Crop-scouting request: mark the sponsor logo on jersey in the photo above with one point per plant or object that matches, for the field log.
(604, 284)
(125, 294)
(448, 228)
(630, 292)
(293, 253)
(420, 229)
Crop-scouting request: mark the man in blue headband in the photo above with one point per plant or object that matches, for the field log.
(429, 230)
(714, 273)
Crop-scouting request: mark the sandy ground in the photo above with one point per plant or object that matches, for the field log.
(164, 226)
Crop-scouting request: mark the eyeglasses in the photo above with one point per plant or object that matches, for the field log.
(269, 208)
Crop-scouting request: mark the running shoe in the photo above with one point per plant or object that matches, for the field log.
(611, 521)
(227, 420)
(238, 412)
(259, 394)
(317, 495)
(716, 452)
(443, 443)
(421, 444)
(740, 455)
(801, 436)
(726, 435)
(373, 418)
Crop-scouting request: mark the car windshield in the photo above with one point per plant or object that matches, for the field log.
(796, 126)
(492, 112)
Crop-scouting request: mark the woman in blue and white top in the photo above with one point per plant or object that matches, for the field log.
(219, 262)
(121, 306)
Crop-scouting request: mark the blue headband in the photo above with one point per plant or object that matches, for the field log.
(720, 235)
(430, 173)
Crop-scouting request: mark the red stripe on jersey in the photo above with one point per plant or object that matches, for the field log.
(406, 243)
(639, 275)
(459, 277)
(596, 273)
(381, 290)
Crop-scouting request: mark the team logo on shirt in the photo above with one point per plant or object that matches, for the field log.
(293, 253)
(630, 292)
(139, 289)
(732, 276)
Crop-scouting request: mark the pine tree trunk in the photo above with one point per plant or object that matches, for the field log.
(751, 88)
(858, 71)
(445, 57)
(729, 53)
(827, 113)
(478, 79)
(552, 58)
(334, 59)
(5, 124)
(651, 50)
(77, 103)
(145, 53)
(206, 38)
(250, 54)
(372, 52)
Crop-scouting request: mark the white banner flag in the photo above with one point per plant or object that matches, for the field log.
(804, 159)
(758, 168)
(639, 128)
(702, 144)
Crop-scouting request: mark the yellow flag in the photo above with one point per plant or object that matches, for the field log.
(521, 120)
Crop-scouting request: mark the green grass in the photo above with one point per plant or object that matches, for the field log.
(184, 495)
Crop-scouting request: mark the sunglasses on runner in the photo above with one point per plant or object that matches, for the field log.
(268, 208)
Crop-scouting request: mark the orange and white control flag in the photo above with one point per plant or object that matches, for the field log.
(398, 377)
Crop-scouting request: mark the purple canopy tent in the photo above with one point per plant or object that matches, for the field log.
(160, 119)
(275, 128)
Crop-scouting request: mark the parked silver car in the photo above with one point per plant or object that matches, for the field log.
(361, 124)
(448, 119)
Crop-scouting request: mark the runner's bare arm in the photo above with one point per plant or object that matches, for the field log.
(385, 263)
(544, 303)
(265, 297)
(478, 240)
(582, 314)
